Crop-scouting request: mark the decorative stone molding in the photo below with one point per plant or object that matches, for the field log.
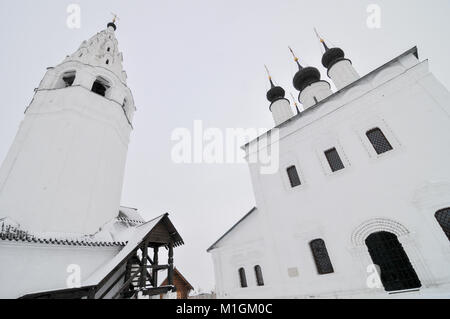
(375, 225)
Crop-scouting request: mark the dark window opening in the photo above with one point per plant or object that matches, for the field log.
(242, 277)
(68, 78)
(334, 160)
(108, 49)
(443, 218)
(396, 271)
(321, 258)
(379, 141)
(259, 276)
(107, 61)
(293, 176)
(100, 87)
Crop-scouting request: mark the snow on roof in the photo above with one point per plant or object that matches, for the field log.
(113, 233)
(11, 231)
(130, 214)
(137, 237)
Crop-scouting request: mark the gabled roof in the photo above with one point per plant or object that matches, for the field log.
(179, 275)
(103, 274)
(139, 235)
(229, 230)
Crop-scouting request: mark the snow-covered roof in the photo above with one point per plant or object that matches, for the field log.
(100, 277)
(130, 214)
(12, 232)
(116, 232)
(140, 232)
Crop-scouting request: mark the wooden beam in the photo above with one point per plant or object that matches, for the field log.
(157, 290)
(158, 267)
(126, 284)
(170, 261)
(112, 285)
(143, 278)
(155, 270)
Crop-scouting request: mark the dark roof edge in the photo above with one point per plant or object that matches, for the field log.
(229, 230)
(413, 50)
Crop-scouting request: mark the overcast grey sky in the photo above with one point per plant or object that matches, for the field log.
(203, 59)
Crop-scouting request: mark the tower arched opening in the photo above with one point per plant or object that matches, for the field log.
(100, 86)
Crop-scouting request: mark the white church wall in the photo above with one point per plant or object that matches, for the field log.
(244, 247)
(404, 102)
(38, 267)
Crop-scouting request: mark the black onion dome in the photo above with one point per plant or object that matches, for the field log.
(331, 56)
(306, 76)
(112, 24)
(275, 93)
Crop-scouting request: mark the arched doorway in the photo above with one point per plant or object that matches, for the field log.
(396, 271)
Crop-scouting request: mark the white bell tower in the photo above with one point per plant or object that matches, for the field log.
(65, 168)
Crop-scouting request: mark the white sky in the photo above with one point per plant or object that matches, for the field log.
(203, 59)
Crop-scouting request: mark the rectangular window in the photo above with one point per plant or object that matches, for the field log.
(242, 277)
(334, 160)
(293, 176)
(379, 141)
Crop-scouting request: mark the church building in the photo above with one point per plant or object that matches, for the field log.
(63, 233)
(360, 204)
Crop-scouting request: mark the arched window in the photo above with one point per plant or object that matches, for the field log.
(443, 218)
(259, 276)
(321, 258)
(66, 80)
(379, 141)
(100, 86)
(396, 271)
(242, 277)
(293, 176)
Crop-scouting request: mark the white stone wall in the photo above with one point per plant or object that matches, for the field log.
(29, 268)
(314, 93)
(343, 73)
(281, 111)
(398, 191)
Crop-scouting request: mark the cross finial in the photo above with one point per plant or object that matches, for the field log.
(293, 54)
(267, 71)
(115, 17)
(269, 76)
(318, 36)
(295, 58)
(321, 40)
